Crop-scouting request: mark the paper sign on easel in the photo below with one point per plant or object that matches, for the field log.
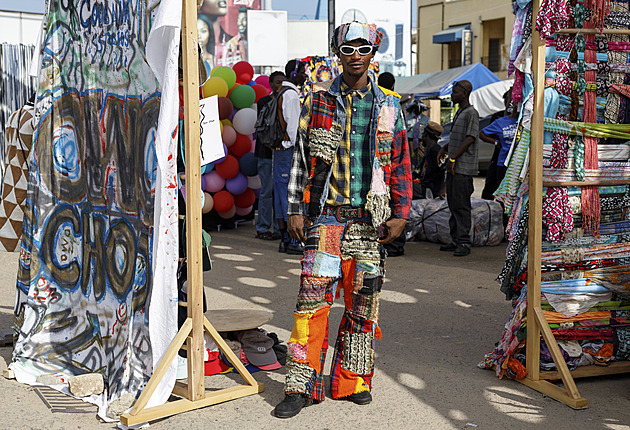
(211, 142)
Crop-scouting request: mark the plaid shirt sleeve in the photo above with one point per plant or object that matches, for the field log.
(301, 161)
(400, 183)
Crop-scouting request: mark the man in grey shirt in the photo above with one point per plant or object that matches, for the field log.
(460, 168)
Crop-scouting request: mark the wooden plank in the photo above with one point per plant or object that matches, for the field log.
(190, 60)
(236, 362)
(555, 392)
(558, 358)
(8, 373)
(435, 110)
(162, 366)
(184, 405)
(587, 183)
(180, 389)
(593, 31)
(589, 371)
(534, 241)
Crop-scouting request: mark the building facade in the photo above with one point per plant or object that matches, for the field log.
(453, 33)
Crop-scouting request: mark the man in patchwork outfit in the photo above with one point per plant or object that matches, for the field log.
(349, 193)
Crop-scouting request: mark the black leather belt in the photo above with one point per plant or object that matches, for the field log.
(344, 212)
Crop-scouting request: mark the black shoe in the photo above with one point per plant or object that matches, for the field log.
(362, 398)
(461, 250)
(291, 405)
(295, 248)
(448, 248)
(283, 246)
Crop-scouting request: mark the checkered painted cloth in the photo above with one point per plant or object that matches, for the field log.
(322, 103)
(351, 173)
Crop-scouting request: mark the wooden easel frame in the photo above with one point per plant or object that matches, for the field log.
(193, 393)
(536, 321)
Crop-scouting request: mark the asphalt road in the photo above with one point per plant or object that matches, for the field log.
(439, 316)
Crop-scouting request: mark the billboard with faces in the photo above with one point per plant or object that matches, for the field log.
(394, 54)
(222, 30)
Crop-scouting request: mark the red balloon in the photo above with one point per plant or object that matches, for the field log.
(260, 91)
(242, 145)
(228, 168)
(225, 107)
(245, 199)
(244, 72)
(223, 201)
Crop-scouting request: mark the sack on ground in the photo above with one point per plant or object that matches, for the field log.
(428, 220)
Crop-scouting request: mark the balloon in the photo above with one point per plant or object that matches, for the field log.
(262, 80)
(245, 121)
(260, 91)
(208, 203)
(244, 211)
(251, 83)
(249, 164)
(203, 182)
(236, 185)
(226, 122)
(215, 87)
(245, 199)
(183, 191)
(214, 182)
(257, 192)
(242, 145)
(254, 183)
(244, 72)
(228, 135)
(243, 96)
(226, 73)
(253, 146)
(207, 168)
(228, 214)
(225, 108)
(206, 63)
(228, 168)
(223, 201)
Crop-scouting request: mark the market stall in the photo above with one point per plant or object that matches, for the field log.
(567, 182)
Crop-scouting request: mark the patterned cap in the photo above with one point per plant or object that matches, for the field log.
(352, 31)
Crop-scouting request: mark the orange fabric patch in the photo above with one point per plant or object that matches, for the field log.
(317, 329)
(330, 239)
(349, 383)
(347, 281)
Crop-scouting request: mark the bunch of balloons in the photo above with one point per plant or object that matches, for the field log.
(231, 184)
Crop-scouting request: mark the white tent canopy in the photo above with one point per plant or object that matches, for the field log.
(489, 99)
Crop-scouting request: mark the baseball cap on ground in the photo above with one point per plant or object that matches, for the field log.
(258, 348)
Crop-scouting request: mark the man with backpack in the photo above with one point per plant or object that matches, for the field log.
(264, 153)
(288, 116)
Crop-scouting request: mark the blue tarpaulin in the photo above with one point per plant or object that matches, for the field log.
(440, 84)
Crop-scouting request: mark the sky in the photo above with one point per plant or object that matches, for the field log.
(305, 9)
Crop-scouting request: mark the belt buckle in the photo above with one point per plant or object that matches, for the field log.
(338, 214)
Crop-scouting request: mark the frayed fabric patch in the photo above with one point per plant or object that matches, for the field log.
(360, 242)
(330, 238)
(326, 265)
(312, 239)
(323, 143)
(298, 377)
(358, 354)
(387, 119)
(300, 328)
(384, 148)
(297, 352)
(315, 292)
(365, 306)
(378, 207)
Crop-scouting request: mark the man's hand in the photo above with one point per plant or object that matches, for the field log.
(297, 223)
(450, 167)
(441, 153)
(393, 228)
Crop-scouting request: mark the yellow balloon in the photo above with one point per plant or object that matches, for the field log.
(208, 203)
(221, 124)
(215, 86)
(226, 122)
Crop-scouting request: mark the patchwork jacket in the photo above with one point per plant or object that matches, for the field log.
(322, 122)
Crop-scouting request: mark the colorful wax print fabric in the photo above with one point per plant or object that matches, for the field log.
(96, 282)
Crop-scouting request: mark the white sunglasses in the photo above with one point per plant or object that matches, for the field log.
(350, 50)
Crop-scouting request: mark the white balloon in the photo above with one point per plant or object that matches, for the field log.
(253, 182)
(244, 121)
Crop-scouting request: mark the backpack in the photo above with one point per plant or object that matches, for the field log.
(269, 131)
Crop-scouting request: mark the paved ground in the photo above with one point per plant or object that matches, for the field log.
(439, 315)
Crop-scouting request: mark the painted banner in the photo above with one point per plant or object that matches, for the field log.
(222, 30)
(99, 241)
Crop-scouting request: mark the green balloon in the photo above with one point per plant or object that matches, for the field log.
(226, 73)
(243, 96)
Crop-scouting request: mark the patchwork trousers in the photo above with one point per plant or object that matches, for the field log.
(337, 256)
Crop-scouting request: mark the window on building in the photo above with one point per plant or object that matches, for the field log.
(494, 54)
(493, 38)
